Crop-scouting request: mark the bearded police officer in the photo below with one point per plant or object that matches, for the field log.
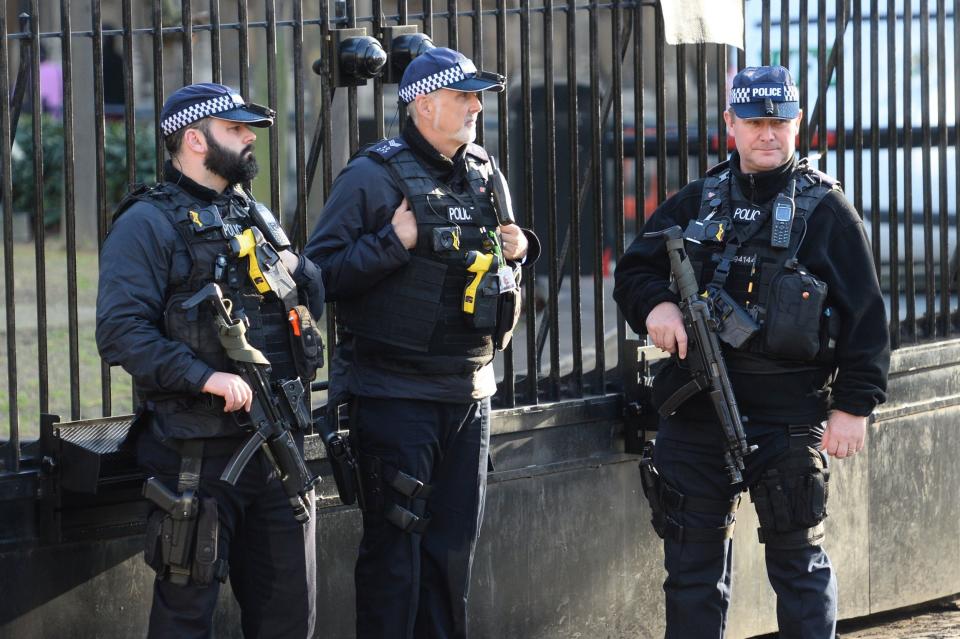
(169, 243)
(424, 270)
(809, 368)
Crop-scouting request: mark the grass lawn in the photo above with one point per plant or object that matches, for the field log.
(64, 386)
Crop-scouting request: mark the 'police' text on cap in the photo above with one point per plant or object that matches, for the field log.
(765, 92)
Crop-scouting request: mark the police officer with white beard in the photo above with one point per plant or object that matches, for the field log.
(424, 271)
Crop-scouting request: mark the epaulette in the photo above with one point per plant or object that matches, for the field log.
(816, 176)
(478, 152)
(132, 196)
(717, 169)
(384, 149)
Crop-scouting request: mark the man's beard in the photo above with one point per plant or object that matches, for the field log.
(464, 135)
(229, 165)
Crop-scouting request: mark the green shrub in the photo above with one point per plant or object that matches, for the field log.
(22, 168)
(114, 168)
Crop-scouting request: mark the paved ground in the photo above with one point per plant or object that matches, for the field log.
(940, 620)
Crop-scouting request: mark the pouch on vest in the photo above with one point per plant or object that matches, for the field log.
(486, 303)
(306, 342)
(792, 324)
(508, 314)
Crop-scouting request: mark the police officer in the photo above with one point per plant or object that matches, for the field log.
(424, 273)
(793, 256)
(167, 242)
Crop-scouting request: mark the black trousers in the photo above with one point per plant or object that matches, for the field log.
(272, 557)
(699, 574)
(410, 584)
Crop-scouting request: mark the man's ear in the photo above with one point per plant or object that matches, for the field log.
(729, 120)
(195, 140)
(424, 104)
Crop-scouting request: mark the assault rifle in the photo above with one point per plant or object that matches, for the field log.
(707, 367)
(273, 413)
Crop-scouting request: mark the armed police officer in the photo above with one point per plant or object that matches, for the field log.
(782, 260)
(424, 271)
(202, 302)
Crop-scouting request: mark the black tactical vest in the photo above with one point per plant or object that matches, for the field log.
(751, 270)
(413, 320)
(206, 228)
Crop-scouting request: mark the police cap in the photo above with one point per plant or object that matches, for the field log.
(765, 92)
(208, 99)
(442, 68)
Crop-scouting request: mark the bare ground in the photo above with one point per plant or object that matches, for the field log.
(937, 621)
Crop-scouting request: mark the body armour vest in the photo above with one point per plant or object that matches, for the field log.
(413, 320)
(795, 328)
(206, 229)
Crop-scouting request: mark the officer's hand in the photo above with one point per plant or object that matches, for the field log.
(290, 260)
(665, 328)
(514, 242)
(405, 225)
(844, 435)
(232, 388)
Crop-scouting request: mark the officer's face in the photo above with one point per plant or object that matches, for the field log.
(230, 151)
(453, 115)
(763, 143)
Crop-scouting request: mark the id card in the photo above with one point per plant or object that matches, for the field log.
(507, 280)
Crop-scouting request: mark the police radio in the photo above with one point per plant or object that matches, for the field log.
(782, 219)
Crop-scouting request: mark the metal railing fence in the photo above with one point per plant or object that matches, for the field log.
(600, 122)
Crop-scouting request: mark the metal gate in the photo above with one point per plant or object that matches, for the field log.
(601, 121)
(642, 116)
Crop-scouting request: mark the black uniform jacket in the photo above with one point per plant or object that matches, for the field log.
(142, 254)
(835, 250)
(355, 245)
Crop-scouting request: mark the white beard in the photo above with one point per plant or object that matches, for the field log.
(464, 135)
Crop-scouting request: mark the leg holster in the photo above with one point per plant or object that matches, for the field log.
(664, 499)
(182, 536)
(791, 497)
(400, 498)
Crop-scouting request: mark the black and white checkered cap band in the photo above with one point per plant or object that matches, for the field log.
(198, 111)
(436, 81)
(759, 93)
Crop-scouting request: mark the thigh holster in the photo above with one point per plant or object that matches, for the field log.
(791, 498)
(398, 497)
(665, 501)
(182, 533)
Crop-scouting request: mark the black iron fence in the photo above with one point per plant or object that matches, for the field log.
(601, 120)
